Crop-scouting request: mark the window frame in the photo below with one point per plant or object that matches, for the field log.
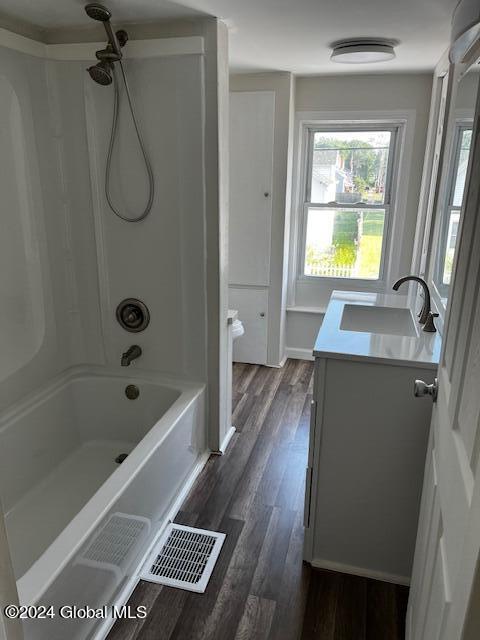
(309, 293)
(461, 124)
(309, 131)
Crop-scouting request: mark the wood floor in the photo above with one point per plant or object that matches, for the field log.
(260, 588)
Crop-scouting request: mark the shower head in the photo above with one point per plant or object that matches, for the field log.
(97, 12)
(101, 73)
(102, 14)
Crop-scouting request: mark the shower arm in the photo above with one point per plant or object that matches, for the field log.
(112, 38)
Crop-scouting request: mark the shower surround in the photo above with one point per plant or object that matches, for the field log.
(62, 396)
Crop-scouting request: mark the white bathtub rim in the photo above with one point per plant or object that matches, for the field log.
(40, 576)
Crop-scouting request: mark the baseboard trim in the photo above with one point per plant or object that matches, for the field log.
(278, 365)
(122, 598)
(318, 563)
(225, 443)
(283, 361)
(299, 354)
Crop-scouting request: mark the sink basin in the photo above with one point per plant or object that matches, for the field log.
(383, 320)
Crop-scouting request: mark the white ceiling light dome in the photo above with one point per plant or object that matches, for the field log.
(363, 50)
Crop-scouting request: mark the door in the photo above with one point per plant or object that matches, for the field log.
(251, 173)
(448, 540)
(251, 305)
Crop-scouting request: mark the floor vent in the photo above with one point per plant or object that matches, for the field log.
(184, 558)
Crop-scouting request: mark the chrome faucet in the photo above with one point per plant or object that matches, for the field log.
(426, 311)
(132, 353)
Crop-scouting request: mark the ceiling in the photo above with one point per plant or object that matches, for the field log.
(287, 35)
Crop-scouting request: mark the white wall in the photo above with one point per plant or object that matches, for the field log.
(360, 93)
(282, 85)
(37, 272)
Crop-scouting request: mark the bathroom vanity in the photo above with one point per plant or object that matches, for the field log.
(368, 436)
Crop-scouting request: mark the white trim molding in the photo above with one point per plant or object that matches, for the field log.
(359, 571)
(226, 441)
(299, 354)
(441, 89)
(149, 48)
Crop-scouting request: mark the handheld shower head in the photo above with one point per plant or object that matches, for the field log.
(97, 12)
(101, 72)
(102, 14)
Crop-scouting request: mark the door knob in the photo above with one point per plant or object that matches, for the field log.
(421, 389)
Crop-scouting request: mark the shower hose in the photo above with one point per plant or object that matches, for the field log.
(113, 135)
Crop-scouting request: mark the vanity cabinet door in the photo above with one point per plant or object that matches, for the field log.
(367, 451)
(252, 307)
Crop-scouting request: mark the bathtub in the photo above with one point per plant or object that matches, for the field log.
(79, 521)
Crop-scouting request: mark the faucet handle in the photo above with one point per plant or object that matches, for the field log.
(429, 325)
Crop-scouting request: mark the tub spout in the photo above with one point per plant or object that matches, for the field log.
(131, 354)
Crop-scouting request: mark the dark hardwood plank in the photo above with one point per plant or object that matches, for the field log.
(237, 371)
(259, 380)
(293, 591)
(271, 561)
(246, 377)
(145, 594)
(246, 492)
(227, 613)
(256, 620)
(321, 609)
(164, 615)
(351, 609)
(402, 604)
(243, 411)
(386, 611)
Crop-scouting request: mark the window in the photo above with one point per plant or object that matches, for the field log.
(456, 187)
(347, 203)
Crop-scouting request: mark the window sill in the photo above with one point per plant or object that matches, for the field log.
(353, 282)
(319, 311)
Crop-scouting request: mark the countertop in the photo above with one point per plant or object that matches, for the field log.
(421, 351)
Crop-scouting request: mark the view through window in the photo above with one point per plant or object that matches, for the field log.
(463, 138)
(347, 202)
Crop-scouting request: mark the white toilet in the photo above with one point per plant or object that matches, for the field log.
(237, 327)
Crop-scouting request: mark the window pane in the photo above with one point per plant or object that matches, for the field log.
(445, 251)
(344, 244)
(349, 167)
(451, 241)
(461, 173)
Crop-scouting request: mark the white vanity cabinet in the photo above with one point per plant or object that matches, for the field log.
(368, 440)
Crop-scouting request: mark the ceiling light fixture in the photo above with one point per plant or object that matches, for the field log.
(363, 50)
